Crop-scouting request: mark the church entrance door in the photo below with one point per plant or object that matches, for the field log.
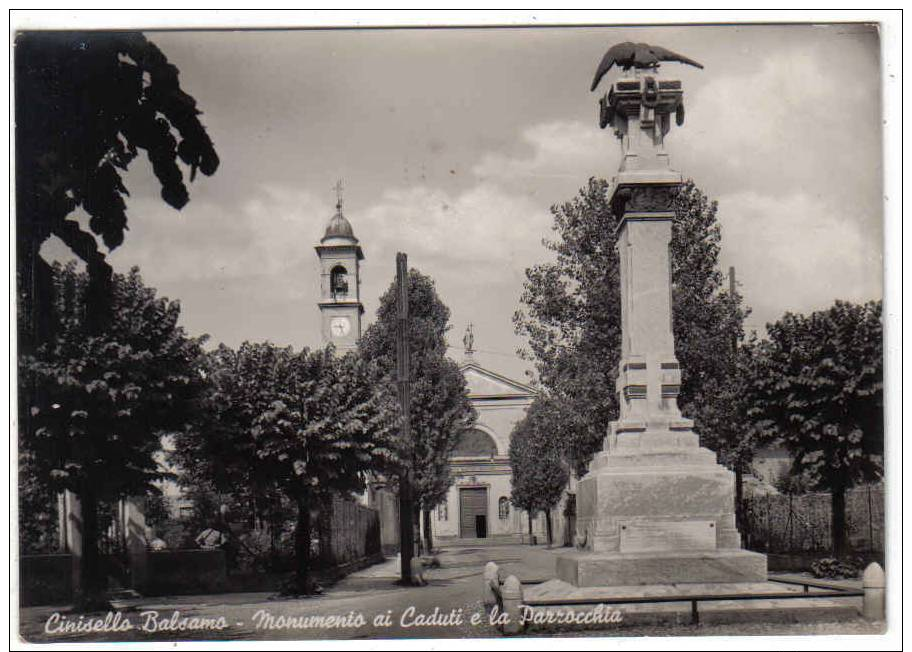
(473, 513)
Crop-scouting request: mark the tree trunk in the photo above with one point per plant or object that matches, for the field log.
(531, 536)
(428, 535)
(92, 580)
(838, 520)
(416, 529)
(548, 526)
(302, 583)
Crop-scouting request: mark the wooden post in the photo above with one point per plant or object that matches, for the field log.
(871, 545)
(788, 527)
(406, 522)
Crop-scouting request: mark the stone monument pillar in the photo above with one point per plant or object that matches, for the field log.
(655, 507)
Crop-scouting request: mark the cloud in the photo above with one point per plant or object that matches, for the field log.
(475, 244)
(790, 126)
(266, 235)
(560, 149)
(787, 150)
(483, 225)
(791, 254)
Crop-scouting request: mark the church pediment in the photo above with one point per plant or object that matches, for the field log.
(483, 383)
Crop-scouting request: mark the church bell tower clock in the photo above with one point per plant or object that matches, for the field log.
(340, 282)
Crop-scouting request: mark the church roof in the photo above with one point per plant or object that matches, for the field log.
(486, 384)
(339, 228)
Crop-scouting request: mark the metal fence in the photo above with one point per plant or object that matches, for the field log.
(780, 523)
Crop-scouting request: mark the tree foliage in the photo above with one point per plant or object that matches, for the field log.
(819, 391)
(38, 526)
(86, 104)
(540, 472)
(329, 423)
(571, 313)
(295, 425)
(99, 402)
(94, 406)
(220, 453)
(440, 407)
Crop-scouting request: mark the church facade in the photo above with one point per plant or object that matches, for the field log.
(477, 507)
(478, 503)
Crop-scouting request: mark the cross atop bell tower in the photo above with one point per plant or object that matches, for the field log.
(338, 188)
(340, 281)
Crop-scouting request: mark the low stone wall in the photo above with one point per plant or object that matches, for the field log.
(185, 572)
(45, 579)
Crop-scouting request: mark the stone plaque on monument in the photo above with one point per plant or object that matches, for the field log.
(647, 536)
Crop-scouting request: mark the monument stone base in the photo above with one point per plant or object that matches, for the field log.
(586, 569)
(657, 508)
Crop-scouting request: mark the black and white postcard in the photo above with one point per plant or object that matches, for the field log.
(349, 328)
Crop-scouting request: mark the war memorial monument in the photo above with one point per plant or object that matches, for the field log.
(655, 508)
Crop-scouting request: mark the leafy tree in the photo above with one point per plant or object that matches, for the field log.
(281, 429)
(86, 103)
(38, 527)
(571, 313)
(330, 424)
(723, 421)
(788, 483)
(94, 406)
(819, 390)
(440, 408)
(220, 454)
(540, 472)
(156, 511)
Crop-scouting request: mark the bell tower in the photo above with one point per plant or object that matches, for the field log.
(340, 282)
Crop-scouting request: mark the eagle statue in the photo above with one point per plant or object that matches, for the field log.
(629, 55)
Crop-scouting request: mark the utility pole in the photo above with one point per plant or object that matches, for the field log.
(739, 471)
(732, 293)
(406, 508)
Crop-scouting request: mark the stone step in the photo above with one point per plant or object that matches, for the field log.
(600, 569)
(499, 540)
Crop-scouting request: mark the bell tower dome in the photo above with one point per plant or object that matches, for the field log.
(340, 282)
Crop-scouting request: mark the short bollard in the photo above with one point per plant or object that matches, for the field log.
(418, 572)
(874, 583)
(488, 597)
(512, 596)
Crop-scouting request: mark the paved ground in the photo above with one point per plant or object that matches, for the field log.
(367, 604)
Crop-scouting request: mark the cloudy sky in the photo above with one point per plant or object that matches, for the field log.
(454, 143)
